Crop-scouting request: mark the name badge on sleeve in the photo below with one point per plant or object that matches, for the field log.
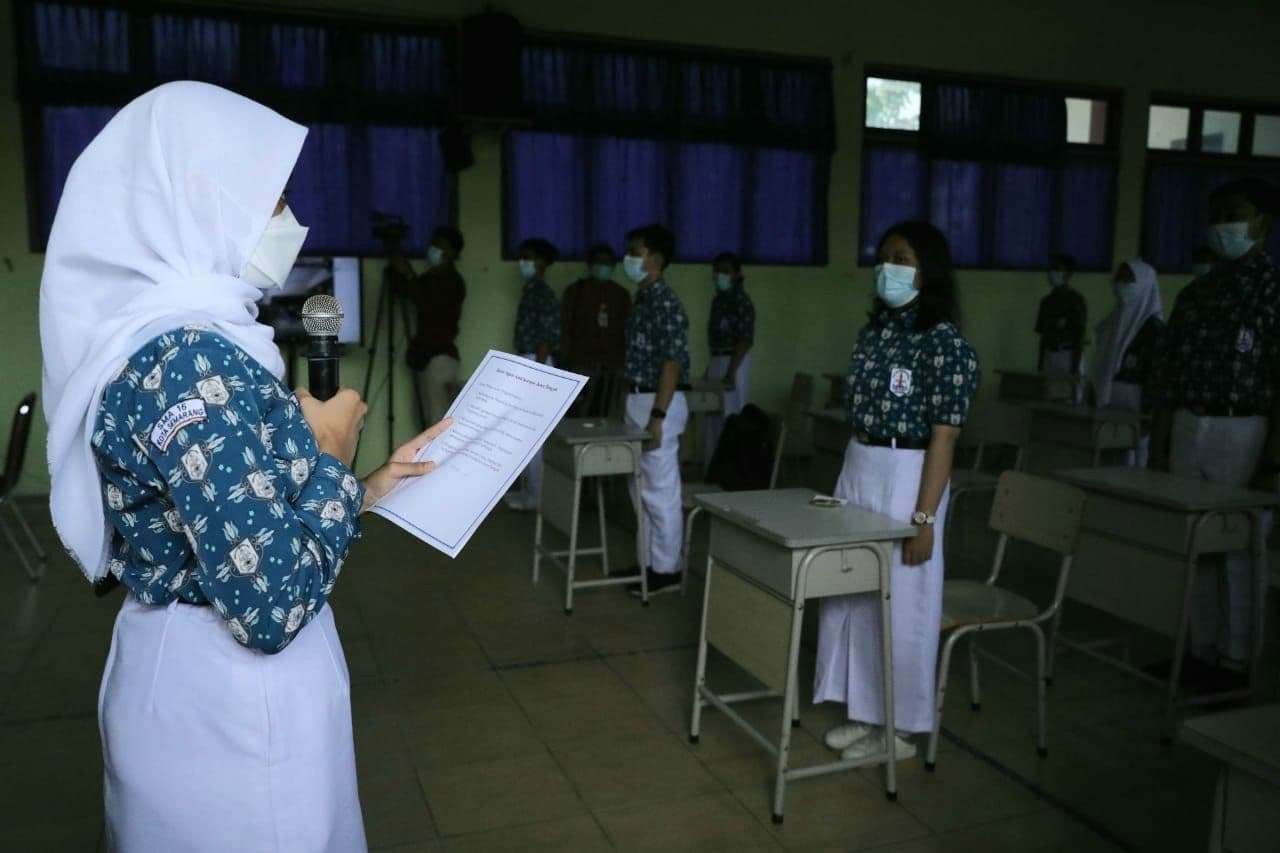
(181, 414)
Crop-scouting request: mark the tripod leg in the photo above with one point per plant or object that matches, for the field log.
(415, 379)
(384, 297)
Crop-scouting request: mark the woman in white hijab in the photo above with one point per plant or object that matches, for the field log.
(223, 502)
(1128, 339)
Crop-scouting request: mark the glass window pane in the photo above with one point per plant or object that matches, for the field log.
(1220, 132)
(1167, 128)
(893, 104)
(1086, 121)
(1266, 136)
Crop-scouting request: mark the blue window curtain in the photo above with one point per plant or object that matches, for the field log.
(373, 99)
(766, 204)
(991, 168)
(1175, 208)
(731, 152)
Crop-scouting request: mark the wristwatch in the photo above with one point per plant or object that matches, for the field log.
(655, 412)
(922, 517)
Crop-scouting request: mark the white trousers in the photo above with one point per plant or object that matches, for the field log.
(433, 387)
(532, 486)
(1059, 362)
(660, 498)
(1220, 450)
(849, 669)
(734, 399)
(209, 746)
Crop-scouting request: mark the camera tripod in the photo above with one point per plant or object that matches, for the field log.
(388, 307)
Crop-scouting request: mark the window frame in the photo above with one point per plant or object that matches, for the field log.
(1248, 110)
(880, 137)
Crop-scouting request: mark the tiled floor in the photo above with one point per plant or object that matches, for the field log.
(486, 719)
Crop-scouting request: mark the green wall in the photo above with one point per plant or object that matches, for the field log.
(807, 316)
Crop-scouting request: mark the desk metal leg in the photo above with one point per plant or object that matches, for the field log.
(886, 664)
(604, 533)
(1260, 578)
(788, 704)
(700, 678)
(1180, 641)
(573, 545)
(642, 533)
(537, 545)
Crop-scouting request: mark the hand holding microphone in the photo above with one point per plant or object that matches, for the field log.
(335, 416)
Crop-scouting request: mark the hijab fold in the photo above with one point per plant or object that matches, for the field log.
(157, 220)
(1118, 329)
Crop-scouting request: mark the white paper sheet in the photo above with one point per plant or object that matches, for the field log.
(502, 416)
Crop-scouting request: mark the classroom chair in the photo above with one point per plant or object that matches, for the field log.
(797, 445)
(990, 425)
(1029, 509)
(19, 432)
(689, 491)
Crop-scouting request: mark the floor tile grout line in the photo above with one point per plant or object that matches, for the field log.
(1039, 791)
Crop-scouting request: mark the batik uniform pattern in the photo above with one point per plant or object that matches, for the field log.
(732, 321)
(216, 491)
(657, 332)
(537, 318)
(902, 382)
(1222, 345)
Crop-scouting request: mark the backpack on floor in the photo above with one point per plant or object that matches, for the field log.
(743, 458)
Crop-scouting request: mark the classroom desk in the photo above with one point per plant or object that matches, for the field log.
(770, 552)
(1067, 436)
(1029, 386)
(1246, 814)
(703, 398)
(1142, 535)
(577, 449)
(831, 434)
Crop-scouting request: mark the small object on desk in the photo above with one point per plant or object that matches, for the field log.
(827, 501)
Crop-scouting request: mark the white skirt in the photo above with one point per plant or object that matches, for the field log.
(886, 481)
(209, 746)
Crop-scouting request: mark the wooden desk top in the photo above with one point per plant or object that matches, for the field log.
(592, 430)
(1247, 739)
(784, 516)
(1166, 490)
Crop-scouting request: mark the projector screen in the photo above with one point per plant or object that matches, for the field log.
(282, 309)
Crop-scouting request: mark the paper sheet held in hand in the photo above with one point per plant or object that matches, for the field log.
(504, 413)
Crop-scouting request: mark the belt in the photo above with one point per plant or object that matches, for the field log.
(649, 389)
(1220, 410)
(895, 443)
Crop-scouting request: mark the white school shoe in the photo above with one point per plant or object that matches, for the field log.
(873, 745)
(520, 501)
(844, 735)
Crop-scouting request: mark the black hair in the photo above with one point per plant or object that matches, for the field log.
(450, 235)
(656, 238)
(1259, 193)
(937, 302)
(541, 249)
(728, 258)
(601, 249)
(1061, 260)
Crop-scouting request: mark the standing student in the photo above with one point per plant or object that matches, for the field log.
(912, 377)
(1215, 390)
(537, 337)
(731, 331)
(437, 295)
(1061, 320)
(223, 502)
(1127, 342)
(593, 319)
(657, 369)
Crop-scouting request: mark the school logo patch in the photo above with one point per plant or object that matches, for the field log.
(1244, 340)
(900, 381)
(179, 415)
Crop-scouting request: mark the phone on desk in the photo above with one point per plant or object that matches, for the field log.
(827, 501)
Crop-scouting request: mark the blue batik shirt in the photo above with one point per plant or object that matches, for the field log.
(657, 332)
(537, 318)
(216, 491)
(903, 382)
(732, 321)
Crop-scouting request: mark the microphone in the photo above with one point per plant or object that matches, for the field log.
(322, 317)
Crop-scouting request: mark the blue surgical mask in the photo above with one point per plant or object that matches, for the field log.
(1198, 270)
(602, 272)
(1126, 291)
(528, 269)
(633, 266)
(723, 281)
(1230, 240)
(895, 284)
(435, 255)
(1057, 278)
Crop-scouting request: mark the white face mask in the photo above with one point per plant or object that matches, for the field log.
(896, 284)
(1126, 291)
(435, 255)
(724, 281)
(633, 266)
(528, 269)
(269, 265)
(1230, 240)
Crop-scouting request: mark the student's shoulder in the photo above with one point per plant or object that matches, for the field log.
(947, 335)
(185, 356)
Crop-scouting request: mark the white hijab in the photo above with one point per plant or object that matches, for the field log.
(1117, 331)
(159, 215)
